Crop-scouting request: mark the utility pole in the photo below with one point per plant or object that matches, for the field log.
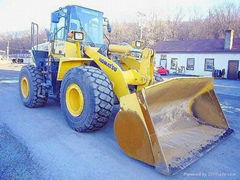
(8, 51)
(140, 22)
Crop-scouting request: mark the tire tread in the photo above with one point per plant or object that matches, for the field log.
(37, 78)
(103, 98)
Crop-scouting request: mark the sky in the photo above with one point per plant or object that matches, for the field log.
(17, 15)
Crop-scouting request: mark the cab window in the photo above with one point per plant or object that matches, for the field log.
(59, 29)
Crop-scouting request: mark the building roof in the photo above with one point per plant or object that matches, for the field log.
(196, 46)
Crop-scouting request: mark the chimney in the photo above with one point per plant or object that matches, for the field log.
(228, 39)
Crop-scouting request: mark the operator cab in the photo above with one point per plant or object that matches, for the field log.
(77, 18)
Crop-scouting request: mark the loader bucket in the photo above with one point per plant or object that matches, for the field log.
(171, 124)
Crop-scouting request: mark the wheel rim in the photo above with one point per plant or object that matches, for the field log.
(74, 100)
(24, 87)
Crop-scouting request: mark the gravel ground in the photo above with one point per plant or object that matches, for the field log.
(15, 159)
(38, 144)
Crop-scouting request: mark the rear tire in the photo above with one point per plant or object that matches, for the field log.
(96, 92)
(30, 81)
(157, 77)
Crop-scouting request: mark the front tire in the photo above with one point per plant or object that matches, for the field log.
(30, 81)
(86, 98)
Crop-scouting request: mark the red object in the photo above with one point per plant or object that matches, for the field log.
(163, 71)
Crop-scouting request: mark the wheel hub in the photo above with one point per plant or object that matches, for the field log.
(74, 100)
(24, 87)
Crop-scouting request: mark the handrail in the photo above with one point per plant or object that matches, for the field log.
(34, 31)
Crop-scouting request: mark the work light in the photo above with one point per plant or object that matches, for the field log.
(79, 36)
(138, 44)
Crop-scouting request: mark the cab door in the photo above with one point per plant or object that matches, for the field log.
(59, 33)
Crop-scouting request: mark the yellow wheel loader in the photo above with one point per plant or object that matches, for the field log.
(166, 124)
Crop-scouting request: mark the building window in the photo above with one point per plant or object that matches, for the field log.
(163, 56)
(190, 63)
(209, 64)
(174, 63)
(163, 63)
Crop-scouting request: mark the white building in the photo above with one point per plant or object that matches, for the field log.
(2, 55)
(200, 57)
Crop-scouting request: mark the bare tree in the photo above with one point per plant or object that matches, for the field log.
(175, 27)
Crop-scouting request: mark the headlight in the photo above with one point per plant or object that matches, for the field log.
(78, 36)
(138, 44)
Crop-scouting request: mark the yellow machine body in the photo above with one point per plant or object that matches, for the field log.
(169, 124)
(135, 72)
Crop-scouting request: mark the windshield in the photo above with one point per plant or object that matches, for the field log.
(89, 21)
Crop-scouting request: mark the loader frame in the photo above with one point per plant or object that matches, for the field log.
(156, 123)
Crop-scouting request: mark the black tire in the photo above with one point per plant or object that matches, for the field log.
(98, 98)
(157, 77)
(35, 79)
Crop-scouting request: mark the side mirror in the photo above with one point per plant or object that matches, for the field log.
(55, 17)
(109, 29)
(106, 23)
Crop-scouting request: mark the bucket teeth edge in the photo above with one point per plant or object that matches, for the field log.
(169, 170)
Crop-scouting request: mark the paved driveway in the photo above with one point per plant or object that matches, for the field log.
(38, 144)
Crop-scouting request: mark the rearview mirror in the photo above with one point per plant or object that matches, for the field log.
(55, 17)
(106, 23)
(109, 29)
